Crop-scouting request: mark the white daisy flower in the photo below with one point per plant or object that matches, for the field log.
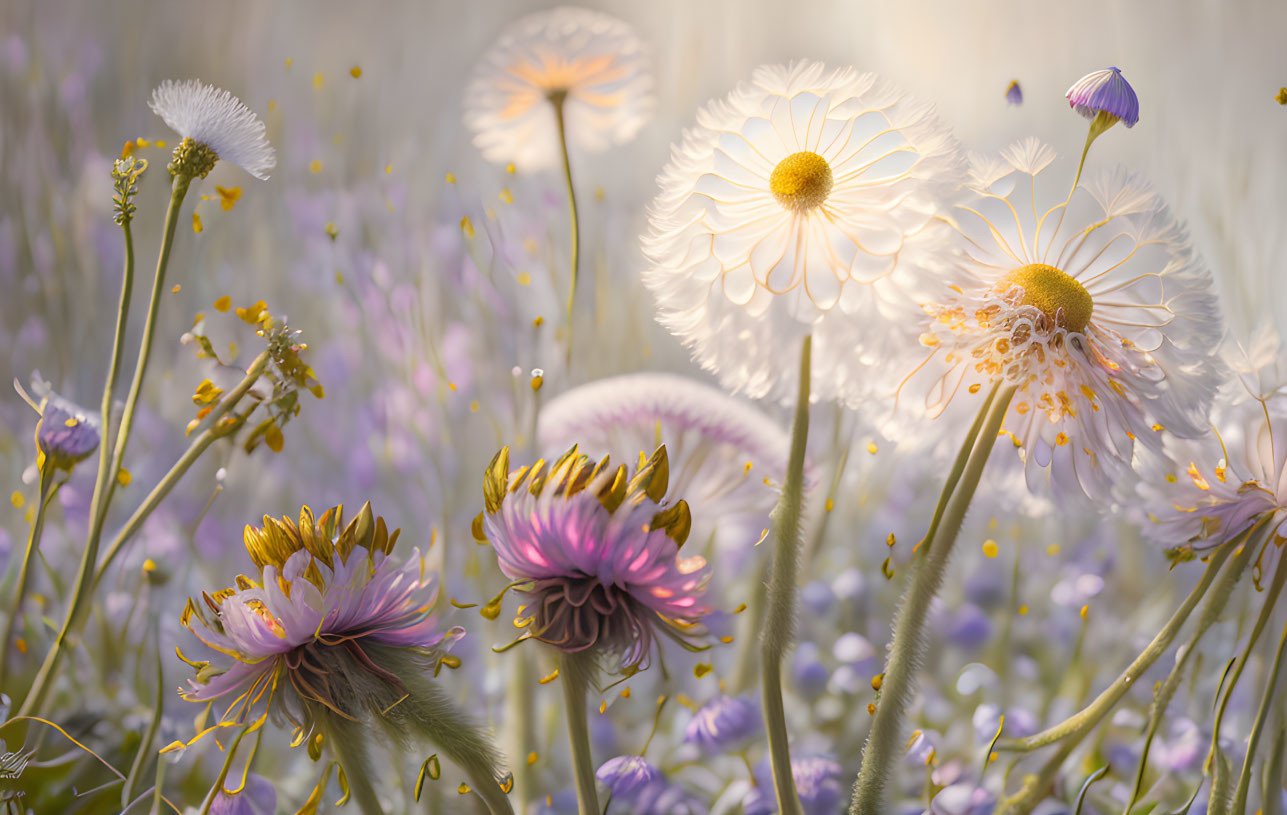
(590, 63)
(726, 458)
(214, 125)
(1205, 492)
(802, 203)
(1103, 319)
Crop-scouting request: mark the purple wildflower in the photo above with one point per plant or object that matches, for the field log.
(1105, 92)
(596, 552)
(66, 432)
(257, 797)
(817, 781)
(725, 724)
(1014, 93)
(627, 776)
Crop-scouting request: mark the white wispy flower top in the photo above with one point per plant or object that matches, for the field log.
(217, 119)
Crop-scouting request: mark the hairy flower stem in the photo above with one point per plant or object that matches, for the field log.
(346, 739)
(519, 725)
(909, 636)
(779, 630)
(574, 675)
(109, 467)
(1211, 610)
(48, 489)
(1073, 729)
(558, 99)
(1266, 702)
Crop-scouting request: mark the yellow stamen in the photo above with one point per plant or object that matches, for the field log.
(801, 181)
(1059, 296)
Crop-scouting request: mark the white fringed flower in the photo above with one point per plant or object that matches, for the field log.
(216, 120)
(1104, 319)
(591, 63)
(726, 458)
(1206, 492)
(803, 202)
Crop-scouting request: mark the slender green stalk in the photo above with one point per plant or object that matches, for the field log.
(106, 484)
(574, 676)
(558, 99)
(1081, 722)
(146, 750)
(211, 430)
(909, 638)
(958, 467)
(779, 628)
(48, 488)
(519, 725)
(223, 771)
(1262, 715)
(1271, 795)
(1211, 610)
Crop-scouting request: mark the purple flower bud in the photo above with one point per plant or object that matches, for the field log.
(1013, 93)
(67, 433)
(1105, 92)
(628, 776)
(724, 725)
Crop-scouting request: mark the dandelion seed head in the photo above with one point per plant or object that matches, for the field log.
(214, 125)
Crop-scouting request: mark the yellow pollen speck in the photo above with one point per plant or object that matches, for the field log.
(196, 223)
(315, 166)
(451, 178)
(891, 540)
(318, 81)
(223, 303)
(537, 382)
(272, 105)
(149, 565)
(830, 505)
(1061, 439)
(603, 708)
(524, 279)
(975, 387)
(474, 406)
(871, 708)
(990, 548)
(1170, 478)
(21, 644)
(123, 477)
(993, 756)
(801, 181)
(872, 448)
(877, 681)
(538, 322)
(1052, 549)
(727, 640)
(1023, 610)
(463, 789)
(509, 168)
(625, 692)
(467, 226)
(17, 499)
(452, 385)
(740, 608)
(1054, 293)
(176, 289)
(290, 61)
(532, 758)
(506, 196)
(701, 669)
(30, 515)
(1084, 610)
(1157, 428)
(355, 72)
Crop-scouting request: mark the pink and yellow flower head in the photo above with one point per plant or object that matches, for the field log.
(595, 550)
(323, 589)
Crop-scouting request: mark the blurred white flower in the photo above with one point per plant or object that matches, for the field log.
(217, 120)
(727, 459)
(1201, 493)
(1105, 321)
(591, 63)
(803, 202)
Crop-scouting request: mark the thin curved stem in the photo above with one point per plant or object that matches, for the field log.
(574, 675)
(909, 637)
(1266, 701)
(779, 629)
(48, 489)
(106, 485)
(558, 100)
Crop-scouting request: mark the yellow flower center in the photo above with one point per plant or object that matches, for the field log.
(801, 181)
(1055, 293)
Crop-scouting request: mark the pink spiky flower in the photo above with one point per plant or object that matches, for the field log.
(325, 591)
(595, 552)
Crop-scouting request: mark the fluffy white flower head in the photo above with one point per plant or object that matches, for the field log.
(217, 120)
(591, 63)
(803, 202)
(1097, 310)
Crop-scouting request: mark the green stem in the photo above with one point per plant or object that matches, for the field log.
(574, 675)
(958, 467)
(557, 99)
(223, 772)
(213, 432)
(779, 630)
(1272, 781)
(519, 726)
(1162, 697)
(1266, 701)
(105, 486)
(48, 488)
(909, 638)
